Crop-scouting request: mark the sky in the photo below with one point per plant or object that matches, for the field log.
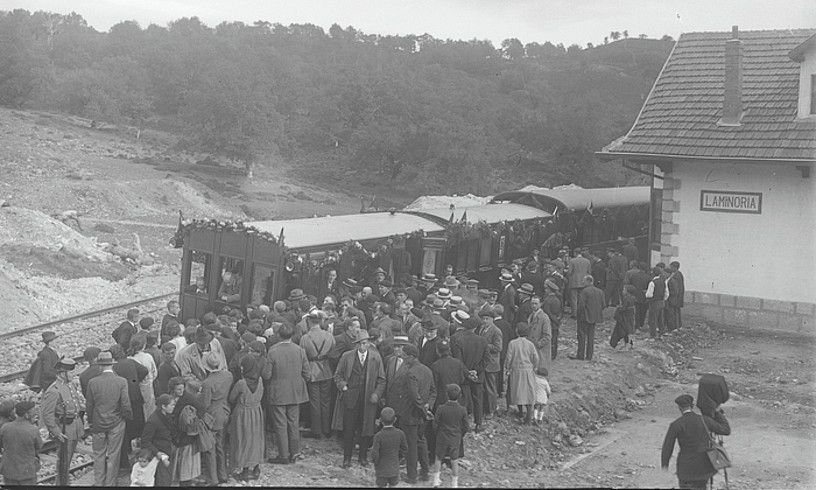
(557, 21)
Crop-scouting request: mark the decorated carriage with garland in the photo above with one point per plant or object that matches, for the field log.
(267, 259)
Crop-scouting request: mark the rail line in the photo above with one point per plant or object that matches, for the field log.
(8, 377)
(82, 316)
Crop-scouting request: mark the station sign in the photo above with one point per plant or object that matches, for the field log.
(731, 202)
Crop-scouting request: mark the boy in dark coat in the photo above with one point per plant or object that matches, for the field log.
(388, 447)
(451, 422)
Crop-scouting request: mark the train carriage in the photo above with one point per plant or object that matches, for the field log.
(237, 264)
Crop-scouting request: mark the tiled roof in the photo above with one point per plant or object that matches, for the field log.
(680, 116)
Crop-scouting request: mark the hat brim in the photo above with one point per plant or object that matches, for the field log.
(106, 363)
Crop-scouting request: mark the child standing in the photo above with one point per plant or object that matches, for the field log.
(388, 447)
(144, 469)
(451, 421)
(542, 396)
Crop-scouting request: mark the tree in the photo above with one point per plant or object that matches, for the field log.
(606, 40)
(512, 49)
(590, 45)
(626, 34)
(615, 35)
(666, 37)
(642, 36)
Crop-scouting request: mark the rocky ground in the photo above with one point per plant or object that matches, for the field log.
(126, 195)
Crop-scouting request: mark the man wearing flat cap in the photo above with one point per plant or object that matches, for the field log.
(59, 411)
(318, 344)
(21, 443)
(360, 381)
(691, 431)
(42, 371)
(507, 297)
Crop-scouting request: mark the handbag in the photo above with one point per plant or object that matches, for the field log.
(716, 452)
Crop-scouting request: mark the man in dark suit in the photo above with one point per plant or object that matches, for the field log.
(92, 371)
(637, 277)
(472, 349)
(507, 297)
(360, 380)
(410, 395)
(127, 329)
(43, 370)
(173, 314)
(167, 369)
(330, 285)
(214, 392)
(677, 290)
(286, 372)
(428, 343)
(590, 312)
(691, 431)
(134, 373)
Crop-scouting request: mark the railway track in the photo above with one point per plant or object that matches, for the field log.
(74, 333)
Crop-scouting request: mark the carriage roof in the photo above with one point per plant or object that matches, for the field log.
(580, 199)
(490, 213)
(328, 230)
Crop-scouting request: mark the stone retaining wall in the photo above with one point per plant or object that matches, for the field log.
(753, 313)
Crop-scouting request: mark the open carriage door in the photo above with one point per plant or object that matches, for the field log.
(432, 255)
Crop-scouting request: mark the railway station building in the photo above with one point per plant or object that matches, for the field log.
(728, 134)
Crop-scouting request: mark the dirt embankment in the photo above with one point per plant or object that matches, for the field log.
(71, 195)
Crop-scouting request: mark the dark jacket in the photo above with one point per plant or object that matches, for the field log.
(677, 289)
(451, 423)
(472, 350)
(447, 370)
(493, 335)
(388, 447)
(640, 280)
(42, 371)
(21, 443)
(427, 352)
(86, 376)
(123, 333)
(166, 371)
(507, 298)
(691, 434)
(187, 398)
(107, 403)
(591, 305)
(552, 307)
(508, 334)
(160, 432)
(134, 373)
(412, 388)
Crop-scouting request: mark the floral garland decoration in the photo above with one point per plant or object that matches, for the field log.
(303, 261)
(185, 226)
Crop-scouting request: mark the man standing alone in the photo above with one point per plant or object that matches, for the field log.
(677, 290)
(590, 312)
(108, 406)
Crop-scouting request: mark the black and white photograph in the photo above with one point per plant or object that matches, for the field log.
(426, 244)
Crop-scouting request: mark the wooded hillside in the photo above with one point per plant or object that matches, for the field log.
(407, 112)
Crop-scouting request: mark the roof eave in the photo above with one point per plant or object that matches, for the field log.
(614, 155)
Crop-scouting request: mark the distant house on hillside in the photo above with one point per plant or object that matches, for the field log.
(728, 133)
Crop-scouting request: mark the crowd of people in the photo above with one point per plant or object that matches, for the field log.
(395, 371)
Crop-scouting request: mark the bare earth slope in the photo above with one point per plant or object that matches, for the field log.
(119, 188)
